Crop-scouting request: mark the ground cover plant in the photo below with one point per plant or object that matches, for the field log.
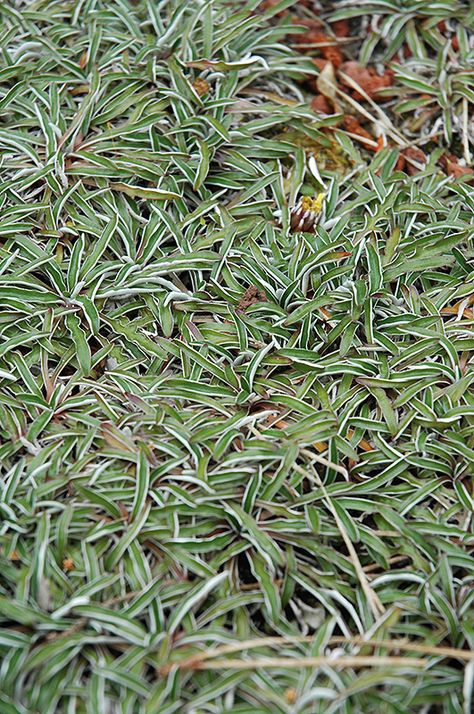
(236, 383)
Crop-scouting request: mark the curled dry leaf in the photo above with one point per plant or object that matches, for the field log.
(326, 82)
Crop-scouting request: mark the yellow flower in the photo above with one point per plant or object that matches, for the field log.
(306, 212)
(313, 205)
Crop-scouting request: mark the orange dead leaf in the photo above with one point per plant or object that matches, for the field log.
(364, 445)
(340, 28)
(79, 89)
(201, 86)
(123, 511)
(452, 167)
(321, 104)
(411, 159)
(83, 59)
(352, 125)
(367, 79)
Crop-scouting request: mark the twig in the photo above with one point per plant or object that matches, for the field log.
(197, 661)
(353, 661)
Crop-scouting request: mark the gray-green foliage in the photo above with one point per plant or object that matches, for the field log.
(178, 473)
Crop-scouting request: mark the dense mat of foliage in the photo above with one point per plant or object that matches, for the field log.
(235, 359)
